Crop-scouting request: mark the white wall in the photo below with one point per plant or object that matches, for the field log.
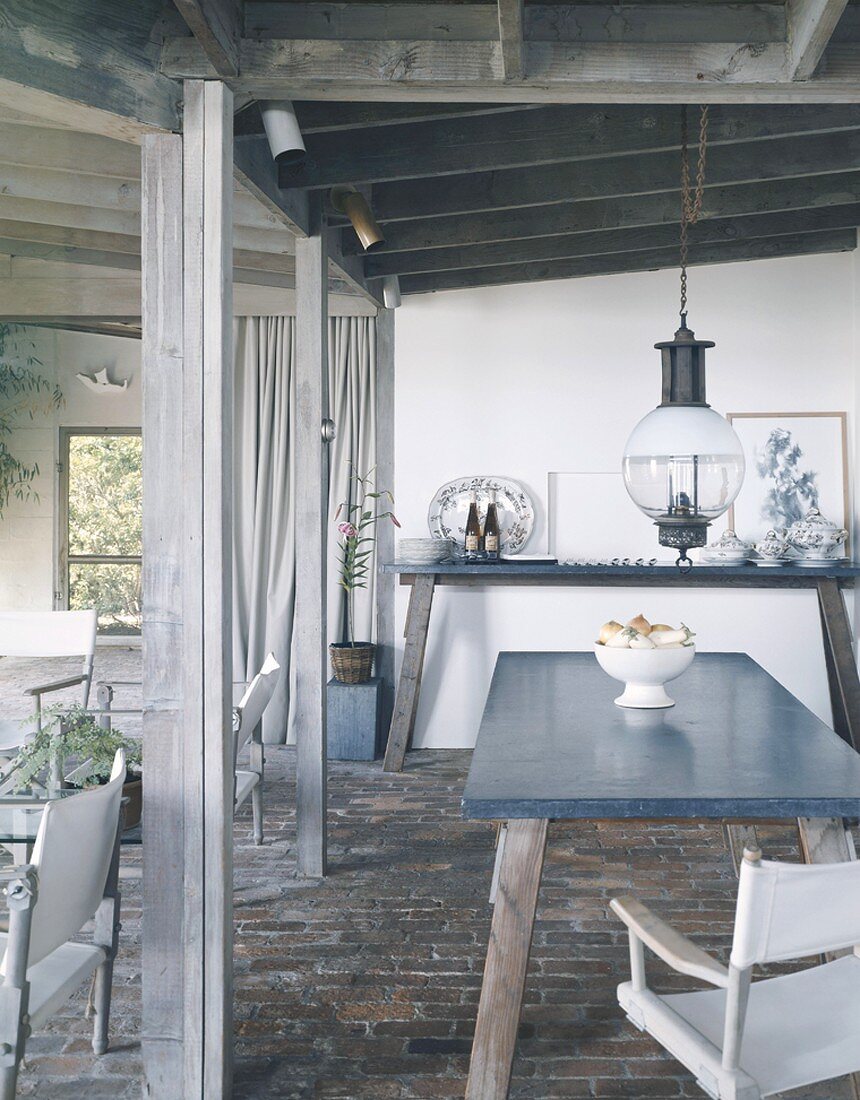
(27, 528)
(522, 380)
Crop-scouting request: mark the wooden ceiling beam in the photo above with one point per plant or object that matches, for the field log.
(322, 117)
(555, 72)
(651, 237)
(811, 24)
(471, 22)
(833, 240)
(92, 65)
(217, 26)
(804, 193)
(512, 38)
(536, 136)
(608, 177)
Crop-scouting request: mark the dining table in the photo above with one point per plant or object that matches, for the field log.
(737, 747)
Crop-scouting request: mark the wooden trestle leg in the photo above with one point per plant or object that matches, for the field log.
(828, 836)
(409, 684)
(507, 961)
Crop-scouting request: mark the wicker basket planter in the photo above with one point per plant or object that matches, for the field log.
(351, 664)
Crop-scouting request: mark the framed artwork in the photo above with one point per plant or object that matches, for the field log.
(794, 462)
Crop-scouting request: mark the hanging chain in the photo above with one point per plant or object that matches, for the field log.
(691, 200)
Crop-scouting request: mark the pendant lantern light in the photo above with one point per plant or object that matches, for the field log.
(683, 464)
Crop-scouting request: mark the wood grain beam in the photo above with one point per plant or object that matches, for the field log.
(217, 26)
(814, 192)
(512, 38)
(254, 169)
(92, 65)
(556, 72)
(608, 177)
(641, 23)
(653, 238)
(64, 150)
(544, 135)
(838, 240)
(811, 24)
(322, 117)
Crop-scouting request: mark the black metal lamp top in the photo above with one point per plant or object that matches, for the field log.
(684, 367)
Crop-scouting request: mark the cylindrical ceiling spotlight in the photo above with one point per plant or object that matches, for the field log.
(346, 200)
(391, 291)
(282, 130)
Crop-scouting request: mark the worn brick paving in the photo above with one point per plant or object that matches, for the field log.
(365, 986)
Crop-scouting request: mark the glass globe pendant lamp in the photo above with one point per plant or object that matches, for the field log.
(683, 464)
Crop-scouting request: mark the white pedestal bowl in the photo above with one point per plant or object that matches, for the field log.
(644, 672)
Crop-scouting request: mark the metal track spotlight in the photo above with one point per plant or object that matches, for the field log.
(348, 201)
(282, 130)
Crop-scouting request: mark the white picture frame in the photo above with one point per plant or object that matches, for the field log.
(805, 465)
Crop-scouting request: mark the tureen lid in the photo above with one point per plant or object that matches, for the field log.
(728, 540)
(814, 518)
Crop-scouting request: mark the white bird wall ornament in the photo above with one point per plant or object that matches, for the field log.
(100, 383)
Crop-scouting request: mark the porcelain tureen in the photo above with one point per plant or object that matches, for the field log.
(772, 549)
(728, 549)
(815, 536)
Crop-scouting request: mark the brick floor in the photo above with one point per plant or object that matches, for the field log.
(365, 986)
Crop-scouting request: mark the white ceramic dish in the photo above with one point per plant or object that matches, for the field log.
(449, 510)
(644, 672)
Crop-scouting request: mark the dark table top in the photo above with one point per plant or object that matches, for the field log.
(552, 743)
(747, 576)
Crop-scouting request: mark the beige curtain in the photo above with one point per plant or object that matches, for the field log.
(264, 537)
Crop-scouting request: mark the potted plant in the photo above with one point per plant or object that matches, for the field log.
(73, 734)
(352, 661)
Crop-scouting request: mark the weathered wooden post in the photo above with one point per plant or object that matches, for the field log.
(311, 551)
(187, 376)
(385, 583)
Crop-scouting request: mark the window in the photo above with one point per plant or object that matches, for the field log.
(100, 526)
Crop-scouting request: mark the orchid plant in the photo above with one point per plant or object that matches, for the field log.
(358, 536)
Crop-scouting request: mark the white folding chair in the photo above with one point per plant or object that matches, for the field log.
(746, 1040)
(247, 730)
(72, 877)
(45, 634)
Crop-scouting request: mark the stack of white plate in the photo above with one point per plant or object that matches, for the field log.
(424, 551)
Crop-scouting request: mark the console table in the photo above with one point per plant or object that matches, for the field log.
(826, 581)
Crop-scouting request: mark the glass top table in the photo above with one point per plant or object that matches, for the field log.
(20, 814)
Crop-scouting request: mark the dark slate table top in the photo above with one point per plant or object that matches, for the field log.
(552, 743)
(764, 576)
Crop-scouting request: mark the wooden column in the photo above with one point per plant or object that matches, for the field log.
(163, 638)
(187, 352)
(385, 582)
(311, 551)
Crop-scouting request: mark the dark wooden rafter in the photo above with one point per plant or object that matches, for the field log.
(217, 26)
(321, 117)
(547, 135)
(808, 192)
(607, 177)
(834, 240)
(616, 241)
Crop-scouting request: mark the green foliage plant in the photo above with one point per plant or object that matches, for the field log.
(23, 392)
(358, 536)
(73, 733)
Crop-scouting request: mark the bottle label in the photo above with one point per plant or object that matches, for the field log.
(471, 542)
(492, 544)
